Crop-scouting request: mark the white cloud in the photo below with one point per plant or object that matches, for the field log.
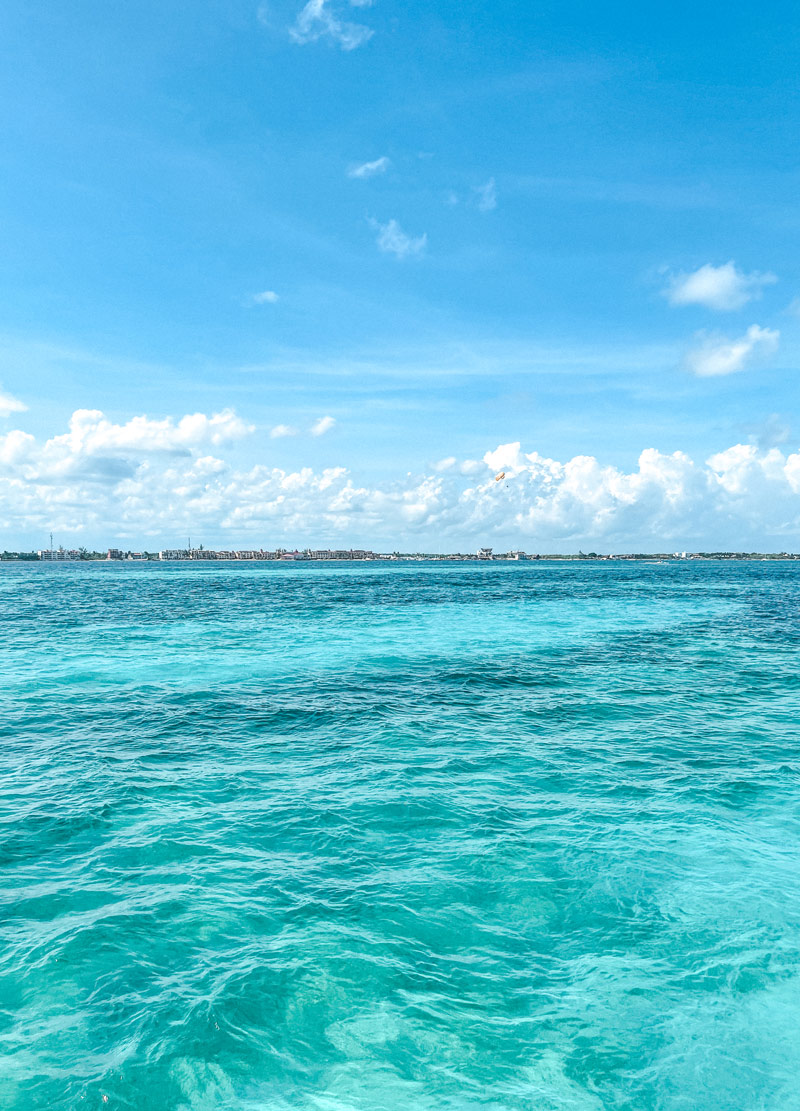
(724, 288)
(282, 430)
(716, 355)
(393, 240)
(103, 479)
(267, 297)
(323, 425)
(743, 497)
(96, 449)
(486, 196)
(91, 433)
(316, 21)
(9, 405)
(370, 169)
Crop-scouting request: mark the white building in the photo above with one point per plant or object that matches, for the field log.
(57, 554)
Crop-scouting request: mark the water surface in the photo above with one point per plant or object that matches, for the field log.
(419, 837)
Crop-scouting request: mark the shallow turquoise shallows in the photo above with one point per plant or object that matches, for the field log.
(403, 837)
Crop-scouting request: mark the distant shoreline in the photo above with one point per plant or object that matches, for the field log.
(486, 555)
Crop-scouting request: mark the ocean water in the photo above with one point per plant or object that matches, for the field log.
(419, 837)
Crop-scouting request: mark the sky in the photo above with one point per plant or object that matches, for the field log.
(290, 274)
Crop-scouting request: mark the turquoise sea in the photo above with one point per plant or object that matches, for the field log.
(419, 837)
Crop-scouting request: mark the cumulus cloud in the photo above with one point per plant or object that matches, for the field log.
(317, 20)
(724, 288)
(714, 356)
(394, 241)
(323, 425)
(91, 433)
(282, 430)
(9, 405)
(370, 169)
(96, 449)
(266, 297)
(486, 196)
(127, 479)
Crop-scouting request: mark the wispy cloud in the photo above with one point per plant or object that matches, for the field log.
(715, 356)
(486, 196)
(370, 169)
(769, 432)
(316, 21)
(394, 241)
(282, 430)
(9, 405)
(724, 288)
(266, 297)
(323, 425)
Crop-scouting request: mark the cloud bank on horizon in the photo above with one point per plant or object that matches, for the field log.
(148, 481)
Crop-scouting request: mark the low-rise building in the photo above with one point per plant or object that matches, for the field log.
(341, 553)
(58, 554)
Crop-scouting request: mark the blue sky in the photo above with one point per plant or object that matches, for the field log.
(476, 223)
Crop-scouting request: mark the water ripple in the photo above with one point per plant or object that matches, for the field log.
(428, 837)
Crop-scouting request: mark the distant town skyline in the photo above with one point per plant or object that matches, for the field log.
(484, 554)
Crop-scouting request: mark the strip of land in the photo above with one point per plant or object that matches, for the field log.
(114, 555)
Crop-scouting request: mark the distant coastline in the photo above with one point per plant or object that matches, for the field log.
(482, 555)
